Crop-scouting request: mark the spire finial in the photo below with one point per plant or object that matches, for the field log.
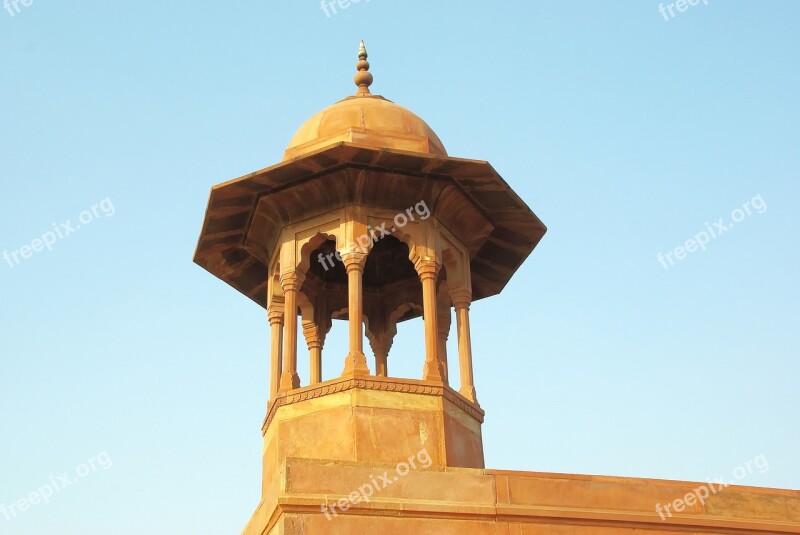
(363, 78)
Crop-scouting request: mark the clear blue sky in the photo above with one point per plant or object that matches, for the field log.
(625, 132)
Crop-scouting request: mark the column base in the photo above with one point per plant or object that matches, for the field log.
(355, 364)
(433, 371)
(289, 381)
(469, 393)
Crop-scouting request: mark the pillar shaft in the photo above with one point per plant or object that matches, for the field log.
(291, 283)
(428, 271)
(313, 337)
(382, 365)
(443, 330)
(381, 344)
(276, 313)
(315, 354)
(461, 302)
(356, 361)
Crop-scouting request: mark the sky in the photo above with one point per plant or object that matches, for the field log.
(631, 133)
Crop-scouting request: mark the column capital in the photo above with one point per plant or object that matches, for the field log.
(353, 260)
(275, 313)
(312, 334)
(461, 297)
(427, 267)
(292, 280)
(381, 343)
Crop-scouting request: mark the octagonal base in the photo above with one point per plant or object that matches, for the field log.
(373, 420)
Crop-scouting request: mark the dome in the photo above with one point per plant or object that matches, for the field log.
(365, 119)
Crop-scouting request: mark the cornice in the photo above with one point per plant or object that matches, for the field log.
(383, 384)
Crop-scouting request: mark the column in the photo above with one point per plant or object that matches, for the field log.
(428, 271)
(381, 344)
(461, 300)
(311, 332)
(291, 283)
(275, 315)
(355, 362)
(443, 327)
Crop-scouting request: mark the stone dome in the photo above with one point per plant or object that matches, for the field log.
(365, 119)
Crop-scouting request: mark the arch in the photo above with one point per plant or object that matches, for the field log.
(399, 312)
(455, 263)
(313, 242)
(412, 239)
(274, 289)
(307, 312)
(339, 314)
(410, 234)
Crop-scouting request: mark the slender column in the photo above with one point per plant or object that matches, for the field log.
(461, 300)
(276, 344)
(380, 346)
(428, 271)
(311, 332)
(381, 364)
(291, 283)
(355, 362)
(443, 328)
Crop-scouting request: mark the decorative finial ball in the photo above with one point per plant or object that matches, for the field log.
(363, 78)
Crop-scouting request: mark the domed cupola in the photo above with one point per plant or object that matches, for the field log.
(365, 119)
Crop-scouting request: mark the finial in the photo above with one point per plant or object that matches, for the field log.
(363, 78)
